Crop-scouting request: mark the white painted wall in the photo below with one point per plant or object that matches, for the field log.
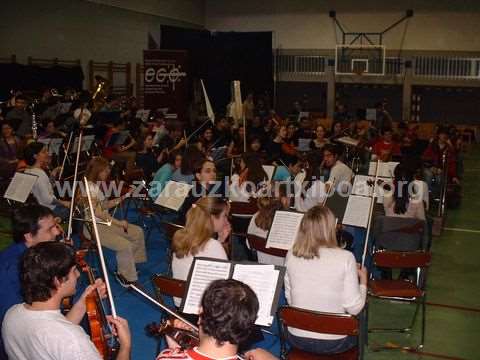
(77, 29)
(305, 24)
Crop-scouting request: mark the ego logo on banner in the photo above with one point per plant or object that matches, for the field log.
(163, 74)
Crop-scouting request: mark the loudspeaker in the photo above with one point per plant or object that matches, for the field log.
(332, 13)
(409, 12)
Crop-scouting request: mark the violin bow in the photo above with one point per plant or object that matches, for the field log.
(100, 250)
(74, 188)
(163, 307)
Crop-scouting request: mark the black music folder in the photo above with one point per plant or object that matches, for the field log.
(265, 280)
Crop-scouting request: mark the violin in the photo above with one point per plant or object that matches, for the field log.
(100, 332)
(187, 339)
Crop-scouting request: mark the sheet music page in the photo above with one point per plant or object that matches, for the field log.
(386, 169)
(74, 147)
(87, 142)
(284, 229)
(380, 190)
(54, 147)
(122, 136)
(361, 187)
(269, 169)
(263, 281)
(20, 187)
(358, 211)
(173, 195)
(218, 153)
(348, 140)
(304, 144)
(204, 272)
(45, 141)
(142, 114)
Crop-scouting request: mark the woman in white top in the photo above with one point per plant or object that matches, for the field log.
(249, 179)
(121, 236)
(205, 218)
(38, 159)
(322, 277)
(311, 191)
(406, 199)
(261, 222)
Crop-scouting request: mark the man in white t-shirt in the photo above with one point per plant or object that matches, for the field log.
(37, 329)
(340, 174)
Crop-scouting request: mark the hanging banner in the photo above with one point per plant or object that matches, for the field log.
(166, 81)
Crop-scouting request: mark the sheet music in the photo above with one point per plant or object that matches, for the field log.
(65, 107)
(371, 114)
(303, 114)
(304, 144)
(361, 187)
(122, 136)
(20, 187)
(263, 281)
(284, 229)
(380, 190)
(173, 195)
(142, 114)
(87, 142)
(357, 211)
(269, 169)
(218, 153)
(348, 141)
(203, 273)
(386, 169)
(54, 147)
(74, 147)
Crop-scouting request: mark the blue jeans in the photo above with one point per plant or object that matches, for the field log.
(319, 346)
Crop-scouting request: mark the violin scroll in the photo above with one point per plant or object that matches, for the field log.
(185, 338)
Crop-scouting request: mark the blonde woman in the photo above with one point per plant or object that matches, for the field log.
(321, 276)
(205, 218)
(121, 236)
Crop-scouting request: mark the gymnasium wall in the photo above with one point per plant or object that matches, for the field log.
(437, 24)
(84, 30)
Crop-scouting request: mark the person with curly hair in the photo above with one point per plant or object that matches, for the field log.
(227, 317)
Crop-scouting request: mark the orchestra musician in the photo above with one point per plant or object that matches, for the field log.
(126, 239)
(36, 329)
(38, 159)
(227, 317)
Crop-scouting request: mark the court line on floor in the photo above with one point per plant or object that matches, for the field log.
(392, 346)
(434, 355)
(454, 307)
(462, 230)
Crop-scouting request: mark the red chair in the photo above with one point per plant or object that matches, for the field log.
(167, 286)
(315, 321)
(171, 229)
(258, 244)
(402, 290)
